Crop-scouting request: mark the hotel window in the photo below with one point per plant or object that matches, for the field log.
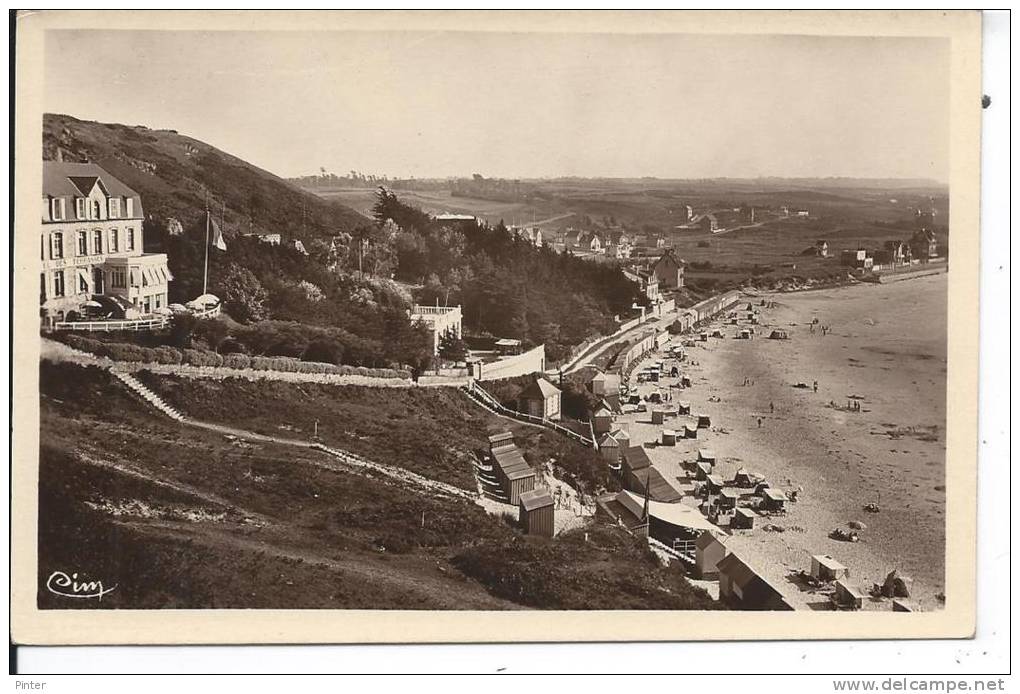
(97, 209)
(97, 241)
(58, 283)
(56, 245)
(83, 242)
(130, 245)
(114, 241)
(114, 208)
(129, 203)
(42, 286)
(57, 209)
(79, 208)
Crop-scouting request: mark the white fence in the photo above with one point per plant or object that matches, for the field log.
(486, 400)
(532, 361)
(139, 324)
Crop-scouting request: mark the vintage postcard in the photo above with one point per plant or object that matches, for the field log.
(494, 326)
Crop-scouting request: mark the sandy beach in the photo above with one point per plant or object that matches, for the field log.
(886, 347)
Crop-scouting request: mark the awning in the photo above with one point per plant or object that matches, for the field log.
(83, 274)
(136, 280)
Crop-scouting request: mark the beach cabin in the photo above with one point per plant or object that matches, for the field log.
(678, 526)
(605, 384)
(743, 588)
(706, 455)
(690, 431)
(743, 519)
(744, 335)
(708, 552)
(779, 335)
(704, 421)
(683, 407)
(825, 568)
(668, 437)
(728, 499)
(540, 399)
(658, 416)
(774, 500)
(508, 346)
(847, 597)
(702, 471)
(536, 512)
(685, 381)
(609, 448)
(623, 437)
(902, 606)
(714, 484)
(602, 421)
(634, 461)
(743, 478)
(658, 488)
(513, 473)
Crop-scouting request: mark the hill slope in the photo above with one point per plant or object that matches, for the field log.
(176, 175)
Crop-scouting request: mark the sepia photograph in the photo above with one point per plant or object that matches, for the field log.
(338, 316)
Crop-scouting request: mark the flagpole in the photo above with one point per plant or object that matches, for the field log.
(205, 275)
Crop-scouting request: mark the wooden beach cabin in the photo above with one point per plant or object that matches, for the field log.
(706, 455)
(825, 568)
(702, 471)
(743, 588)
(602, 421)
(683, 407)
(690, 431)
(609, 448)
(708, 552)
(774, 500)
(536, 512)
(704, 421)
(634, 461)
(668, 437)
(743, 519)
(512, 472)
(847, 597)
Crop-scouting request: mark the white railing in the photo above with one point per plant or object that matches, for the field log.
(137, 324)
(486, 400)
(433, 310)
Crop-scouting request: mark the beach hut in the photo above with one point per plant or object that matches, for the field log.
(717, 333)
(683, 407)
(609, 448)
(743, 588)
(605, 384)
(658, 488)
(540, 399)
(902, 606)
(658, 416)
(703, 337)
(744, 335)
(685, 381)
(847, 597)
(690, 431)
(668, 437)
(702, 471)
(779, 335)
(514, 474)
(602, 421)
(704, 421)
(706, 455)
(728, 498)
(714, 483)
(634, 461)
(503, 439)
(825, 568)
(623, 437)
(708, 552)
(536, 512)
(743, 478)
(774, 500)
(743, 519)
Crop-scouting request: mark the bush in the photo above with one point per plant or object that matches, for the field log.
(199, 357)
(84, 344)
(167, 355)
(237, 361)
(124, 352)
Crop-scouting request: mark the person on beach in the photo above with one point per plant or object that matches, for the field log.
(815, 386)
(772, 407)
(759, 422)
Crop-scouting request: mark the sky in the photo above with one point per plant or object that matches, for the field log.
(523, 105)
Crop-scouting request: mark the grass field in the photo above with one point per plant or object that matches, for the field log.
(179, 517)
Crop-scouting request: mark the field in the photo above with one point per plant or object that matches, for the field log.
(181, 517)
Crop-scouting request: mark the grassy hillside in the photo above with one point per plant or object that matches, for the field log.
(176, 175)
(178, 517)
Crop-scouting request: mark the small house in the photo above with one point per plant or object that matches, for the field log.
(706, 455)
(743, 519)
(708, 552)
(825, 568)
(634, 461)
(536, 512)
(540, 399)
(668, 437)
(602, 421)
(744, 589)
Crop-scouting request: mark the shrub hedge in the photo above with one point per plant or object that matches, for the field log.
(120, 351)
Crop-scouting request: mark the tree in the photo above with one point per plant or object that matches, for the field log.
(452, 347)
(242, 294)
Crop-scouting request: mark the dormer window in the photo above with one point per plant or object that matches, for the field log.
(57, 209)
(97, 209)
(79, 208)
(130, 205)
(114, 208)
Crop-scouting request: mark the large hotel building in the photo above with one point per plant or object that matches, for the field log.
(91, 248)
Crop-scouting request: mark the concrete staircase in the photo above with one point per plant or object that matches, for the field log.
(147, 395)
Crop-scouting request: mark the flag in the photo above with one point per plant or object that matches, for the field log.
(217, 235)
